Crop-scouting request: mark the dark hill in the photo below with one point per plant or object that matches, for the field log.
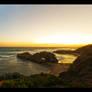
(81, 69)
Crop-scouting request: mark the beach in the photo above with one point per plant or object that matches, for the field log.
(59, 68)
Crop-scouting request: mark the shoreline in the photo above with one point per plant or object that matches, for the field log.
(56, 69)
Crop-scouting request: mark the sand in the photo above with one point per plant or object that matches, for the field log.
(59, 68)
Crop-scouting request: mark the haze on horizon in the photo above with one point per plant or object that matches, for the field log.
(35, 25)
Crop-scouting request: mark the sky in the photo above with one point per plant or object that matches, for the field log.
(45, 24)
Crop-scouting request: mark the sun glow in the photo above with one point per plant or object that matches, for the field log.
(45, 25)
(54, 41)
(67, 39)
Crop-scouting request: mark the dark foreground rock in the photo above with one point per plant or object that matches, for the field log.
(42, 57)
(81, 69)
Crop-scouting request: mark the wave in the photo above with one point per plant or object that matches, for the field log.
(6, 56)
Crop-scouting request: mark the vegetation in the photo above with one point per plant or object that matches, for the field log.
(8, 76)
(39, 81)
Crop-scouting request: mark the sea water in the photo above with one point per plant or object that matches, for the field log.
(10, 63)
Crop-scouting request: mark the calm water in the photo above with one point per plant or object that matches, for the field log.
(9, 62)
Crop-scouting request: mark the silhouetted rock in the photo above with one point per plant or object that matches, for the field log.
(81, 69)
(83, 64)
(42, 57)
(24, 56)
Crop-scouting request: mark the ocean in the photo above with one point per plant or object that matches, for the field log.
(9, 63)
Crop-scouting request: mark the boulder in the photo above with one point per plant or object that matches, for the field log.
(43, 57)
(24, 56)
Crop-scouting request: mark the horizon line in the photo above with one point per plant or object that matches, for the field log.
(17, 44)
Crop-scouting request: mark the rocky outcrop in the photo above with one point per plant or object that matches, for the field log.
(42, 57)
(24, 56)
(81, 69)
(83, 64)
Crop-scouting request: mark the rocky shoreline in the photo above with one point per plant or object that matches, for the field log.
(47, 59)
(81, 69)
(76, 75)
(57, 69)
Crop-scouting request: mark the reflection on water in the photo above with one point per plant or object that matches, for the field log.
(67, 59)
(26, 68)
(9, 62)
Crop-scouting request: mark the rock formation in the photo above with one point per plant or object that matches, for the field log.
(24, 56)
(42, 57)
(81, 69)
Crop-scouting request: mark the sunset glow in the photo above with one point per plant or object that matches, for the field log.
(68, 39)
(45, 25)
